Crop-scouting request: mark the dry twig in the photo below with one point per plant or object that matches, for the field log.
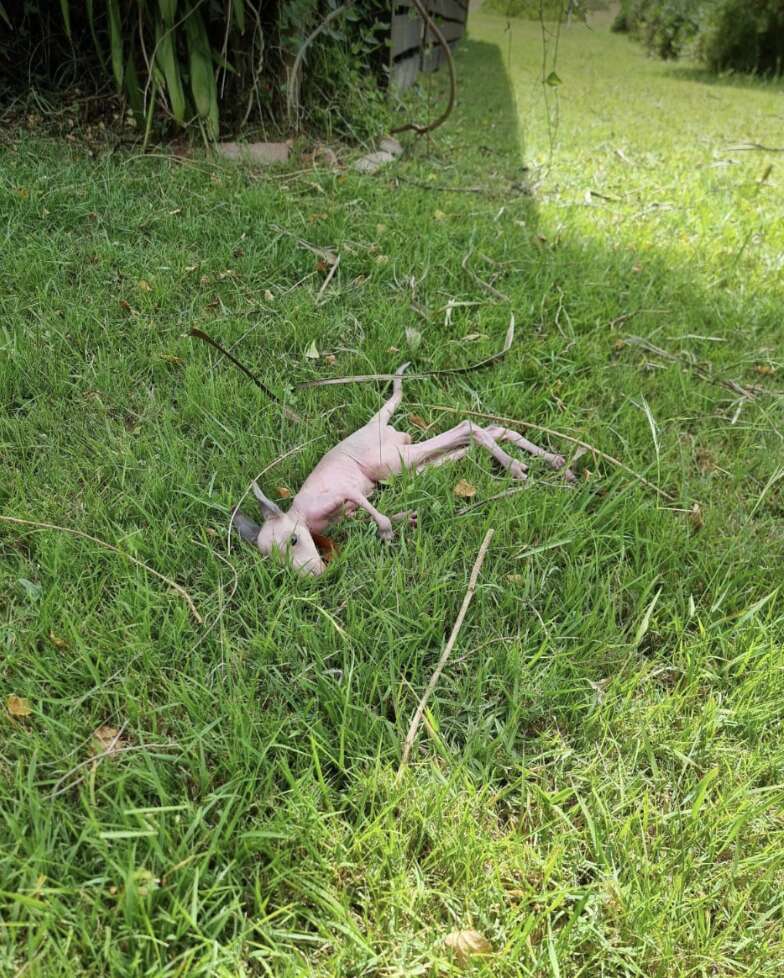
(200, 334)
(424, 375)
(417, 718)
(108, 546)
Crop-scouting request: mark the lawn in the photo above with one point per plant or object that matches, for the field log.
(598, 788)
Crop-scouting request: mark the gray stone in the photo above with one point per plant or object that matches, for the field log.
(255, 152)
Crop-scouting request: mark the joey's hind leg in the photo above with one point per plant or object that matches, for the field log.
(498, 433)
(453, 444)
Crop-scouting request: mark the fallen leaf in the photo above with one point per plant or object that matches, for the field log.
(331, 359)
(18, 706)
(764, 370)
(619, 344)
(392, 349)
(172, 358)
(125, 305)
(226, 273)
(32, 590)
(695, 517)
(321, 216)
(600, 689)
(464, 489)
(145, 882)
(312, 352)
(439, 216)
(418, 422)
(108, 740)
(380, 228)
(413, 337)
(57, 642)
(382, 259)
(144, 285)
(466, 944)
(283, 492)
(552, 80)
(268, 295)
(204, 280)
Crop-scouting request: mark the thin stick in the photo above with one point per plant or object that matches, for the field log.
(292, 91)
(200, 334)
(327, 280)
(480, 281)
(365, 378)
(556, 434)
(108, 546)
(420, 710)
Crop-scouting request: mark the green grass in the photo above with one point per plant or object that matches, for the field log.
(599, 788)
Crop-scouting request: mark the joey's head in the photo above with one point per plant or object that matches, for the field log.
(280, 532)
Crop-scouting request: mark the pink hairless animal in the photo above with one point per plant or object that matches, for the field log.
(349, 473)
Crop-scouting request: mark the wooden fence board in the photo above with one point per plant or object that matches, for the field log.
(409, 53)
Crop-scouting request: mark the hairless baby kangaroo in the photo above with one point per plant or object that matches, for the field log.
(349, 473)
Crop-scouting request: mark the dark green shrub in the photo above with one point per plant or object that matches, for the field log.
(742, 35)
(739, 35)
(215, 63)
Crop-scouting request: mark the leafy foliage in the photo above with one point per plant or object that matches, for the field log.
(207, 62)
(740, 35)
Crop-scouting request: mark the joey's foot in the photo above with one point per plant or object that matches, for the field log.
(408, 516)
(518, 471)
(559, 462)
(386, 533)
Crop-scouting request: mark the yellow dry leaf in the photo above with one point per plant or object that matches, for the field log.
(765, 370)
(382, 259)
(57, 642)
(418, 422)
(18, 706)
(108, 740)
(464, 489)
(283, 492)
(439, 216)
(331, 359)
(144, 285)
(466, 944)
(268, 295)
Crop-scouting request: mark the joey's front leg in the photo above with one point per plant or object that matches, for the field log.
(383, 523)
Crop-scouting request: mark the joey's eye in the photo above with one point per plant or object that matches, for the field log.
(293, 540)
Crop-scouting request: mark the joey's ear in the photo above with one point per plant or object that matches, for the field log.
(267, 507)
(246, 528)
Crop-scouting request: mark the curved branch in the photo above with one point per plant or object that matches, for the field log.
(292, 92)
(413, 126)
